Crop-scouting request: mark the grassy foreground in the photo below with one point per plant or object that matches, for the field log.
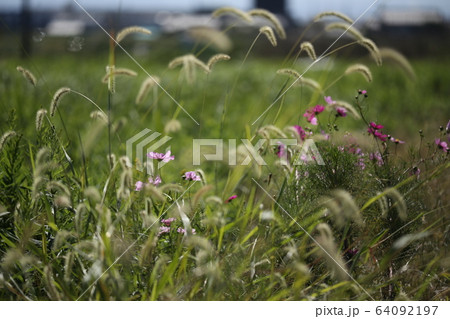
(81, 221)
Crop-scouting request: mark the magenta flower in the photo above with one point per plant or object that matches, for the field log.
(341, 111)
(374, 130)
(300, 131)
(376, 157)
(191, 176)
(231, 198)
(168, 221)
(447, 128)
(375, 126)
(396, 141)
(183, 231)
(415, 171)
(161, 156)
(362, 92)
(156, 181)
(441, 145)
(312, 112)
(139, 185)
(164, 230)
(281, 150)
(329, 100)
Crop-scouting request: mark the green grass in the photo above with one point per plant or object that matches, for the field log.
(73, 227)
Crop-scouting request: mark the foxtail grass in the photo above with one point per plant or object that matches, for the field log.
(27, 75)
(300, 80)
(57, 99)
(217, 58)
(360, 68)
(6, 137)
(398, 59)
(40, 115)
(269, 16)
(309, 49)
(130, 30)
(373, 49)
(336, 14)
(347, 28)
(330, 253)
(211, 37)
(244, 16)
(145, 87)
(268, 32)
(118, 72)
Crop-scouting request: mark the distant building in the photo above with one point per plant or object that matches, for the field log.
(65, 28)
(404, 20)
(66, 23)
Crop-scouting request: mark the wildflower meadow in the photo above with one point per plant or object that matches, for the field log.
(210, 166)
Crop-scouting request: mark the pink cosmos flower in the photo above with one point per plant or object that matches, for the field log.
(191, 176)
(300, 131)
(167, 221)
(139, 185)
(155, 181)
(376, 157)
(311, 113)
(441, 144)
(341, 111)
(375, 126)
(183, 231)
(163, 230)
(329, 100)
(374, 130)
(281, 150)
(230, 198)
(161, 156)
(415, 171)
(396, 141)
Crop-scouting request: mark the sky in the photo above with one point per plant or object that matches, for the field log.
(299, 9)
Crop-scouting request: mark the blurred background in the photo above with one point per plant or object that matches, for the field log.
(63, 46)
(415, 27)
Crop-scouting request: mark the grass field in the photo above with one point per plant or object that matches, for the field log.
(372, 223)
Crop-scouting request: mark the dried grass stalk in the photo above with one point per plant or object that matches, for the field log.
(5, 137)
(146, 85)
(40, 114)
(279, 29)
(27, 75)
(57, 98)
(398, 202)
(129, 30)
(233, 11)
(328, 250)
(360, 68)
(332, 14)
(398, 59)
(373, 49)
(346, 27)
(309, 49)
(217, 58)
(300, 80)
(118, 71)
(268, 32)
(218, 39)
